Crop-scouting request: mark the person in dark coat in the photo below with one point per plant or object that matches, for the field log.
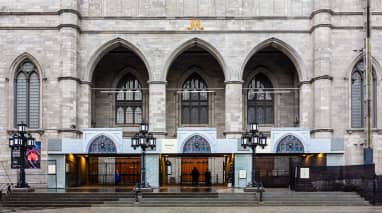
(208, 178)
(195, 176)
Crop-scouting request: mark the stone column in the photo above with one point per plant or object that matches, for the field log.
(5, 154)
(306, 103)
(84, 106)
(157, 108)
(322, 80)
(233, 109)
(152, 170)
(69, 81)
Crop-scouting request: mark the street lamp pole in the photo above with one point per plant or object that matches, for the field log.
(143, 139)
(253, 138)
(21, 141)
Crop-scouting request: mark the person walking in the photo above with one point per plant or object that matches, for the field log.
(117, 177)
(195, 176)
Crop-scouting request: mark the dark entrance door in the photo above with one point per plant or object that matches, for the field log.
(188, 164)
(277, 170)
(102, 170)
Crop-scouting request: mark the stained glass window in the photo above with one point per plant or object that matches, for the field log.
(102, 144)
(197, 144)
(290, 144)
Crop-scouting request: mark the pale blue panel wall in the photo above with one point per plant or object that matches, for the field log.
(152, 170)
(242, 162)
(58, 180)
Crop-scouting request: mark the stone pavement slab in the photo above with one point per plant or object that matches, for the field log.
(279, 209)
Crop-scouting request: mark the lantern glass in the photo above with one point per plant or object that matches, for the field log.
(11, 141)
(144, 127)
(134, 141)
(245, 140)
(142, 140)
(21, 127)
(253, 127)
(264, 140)
(18, 141)
(30, 141)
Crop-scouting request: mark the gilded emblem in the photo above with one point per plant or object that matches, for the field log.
(195, 24)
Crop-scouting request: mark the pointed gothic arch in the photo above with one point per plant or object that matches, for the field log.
(106, 48)
(192, 43)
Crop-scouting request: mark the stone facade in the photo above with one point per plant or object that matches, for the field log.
(67, 39)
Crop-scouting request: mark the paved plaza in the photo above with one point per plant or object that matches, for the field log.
(280, 209)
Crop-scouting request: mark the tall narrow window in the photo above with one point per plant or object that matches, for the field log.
(194, 101)
(259, 100)
(129, 101)
(358, 95)
(27, 92)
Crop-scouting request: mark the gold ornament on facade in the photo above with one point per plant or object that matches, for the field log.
(195, 24)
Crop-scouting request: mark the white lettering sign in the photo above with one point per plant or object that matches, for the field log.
(242, 174)
(169, 146)
(304, 173)
(52, 169)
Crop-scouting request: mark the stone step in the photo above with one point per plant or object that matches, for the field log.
(315, 203)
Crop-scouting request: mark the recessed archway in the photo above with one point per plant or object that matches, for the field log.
(271, 92)
(195, 90)
(119, 89)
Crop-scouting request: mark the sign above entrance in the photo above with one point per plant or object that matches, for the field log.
(169, 146)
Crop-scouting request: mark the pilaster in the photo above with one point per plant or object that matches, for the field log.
(233, 109)
(322, 81)
(69, 33)
(157, 108)
(305, 108)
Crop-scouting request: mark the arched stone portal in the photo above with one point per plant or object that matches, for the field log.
(195, 95)
(119, 92)
(271, 89)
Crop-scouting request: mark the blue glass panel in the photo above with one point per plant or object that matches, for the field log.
(290, 144)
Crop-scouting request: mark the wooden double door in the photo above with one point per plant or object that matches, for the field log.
(189, 163)
(102, 170)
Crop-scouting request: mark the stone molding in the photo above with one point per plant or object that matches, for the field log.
(69, 130)
(78, 13)
(157, 82)
(64, 78)
(321, 130)
(39, 131)
(312, 80)
(362, 130)
(74, 26)
(234, 82)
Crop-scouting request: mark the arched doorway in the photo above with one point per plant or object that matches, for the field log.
(195, 158)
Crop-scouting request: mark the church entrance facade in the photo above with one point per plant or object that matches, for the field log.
(202, 71)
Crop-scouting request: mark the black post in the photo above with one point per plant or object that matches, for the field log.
(253, 166)
(22, 183)
(143, 168)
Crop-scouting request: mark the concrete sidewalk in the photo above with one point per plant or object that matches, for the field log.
(280, 209)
